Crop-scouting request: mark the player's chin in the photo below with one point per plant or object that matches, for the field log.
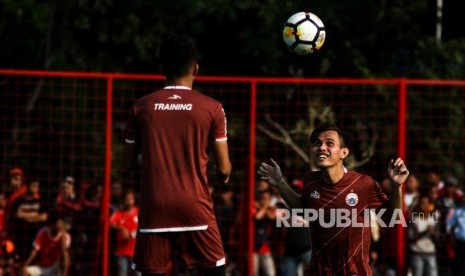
(324, 164)
(321, 164)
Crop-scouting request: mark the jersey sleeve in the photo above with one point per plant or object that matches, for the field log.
(220, 132)
(39, 240)
(115, 218)
(376, 195)
(131, 133)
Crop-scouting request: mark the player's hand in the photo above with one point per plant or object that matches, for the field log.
(397, 171)
(271, 173)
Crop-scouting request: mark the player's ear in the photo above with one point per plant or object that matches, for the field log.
(196, 69)
(344, 152)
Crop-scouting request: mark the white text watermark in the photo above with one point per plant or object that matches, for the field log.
(328, 218)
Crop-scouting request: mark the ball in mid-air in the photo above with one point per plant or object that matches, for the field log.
(304, 33)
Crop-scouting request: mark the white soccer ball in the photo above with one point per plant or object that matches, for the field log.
(304, 33)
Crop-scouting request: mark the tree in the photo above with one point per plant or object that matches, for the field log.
(236, 37)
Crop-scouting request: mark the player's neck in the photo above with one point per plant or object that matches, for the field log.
(186, 81)
(332, 175)
(128, 208)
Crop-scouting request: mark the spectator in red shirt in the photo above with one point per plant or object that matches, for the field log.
(124, 221)
(50, 250)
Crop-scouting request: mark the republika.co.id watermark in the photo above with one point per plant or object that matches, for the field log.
(342, 217)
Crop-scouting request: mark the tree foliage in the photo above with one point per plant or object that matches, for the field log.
(237, 37)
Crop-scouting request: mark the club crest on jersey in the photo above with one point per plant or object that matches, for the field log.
(351, 199)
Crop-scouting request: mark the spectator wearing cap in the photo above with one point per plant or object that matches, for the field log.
(16, 187)
(68, 201)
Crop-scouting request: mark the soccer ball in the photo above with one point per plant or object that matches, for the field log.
(304, 33)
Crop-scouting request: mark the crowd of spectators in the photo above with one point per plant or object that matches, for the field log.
(278, 250)
(69, 213)
(432, 204)
(62, 230)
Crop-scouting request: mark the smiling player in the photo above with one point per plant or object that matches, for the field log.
(337, 250)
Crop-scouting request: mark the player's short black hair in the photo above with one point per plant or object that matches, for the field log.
(345, 137)
(177, 54)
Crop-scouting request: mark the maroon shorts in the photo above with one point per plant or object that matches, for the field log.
(201, 248)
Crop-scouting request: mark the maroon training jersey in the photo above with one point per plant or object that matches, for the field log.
(341, 250)
(174, 128)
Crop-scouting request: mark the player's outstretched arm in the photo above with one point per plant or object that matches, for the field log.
(223, 165)
(398, 173)
(272, 174)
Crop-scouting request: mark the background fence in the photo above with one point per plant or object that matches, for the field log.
(58, 124)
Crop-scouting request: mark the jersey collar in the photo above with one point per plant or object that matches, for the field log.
(181, 87)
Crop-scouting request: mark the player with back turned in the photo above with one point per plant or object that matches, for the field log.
(175, 128)
(338, 249)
